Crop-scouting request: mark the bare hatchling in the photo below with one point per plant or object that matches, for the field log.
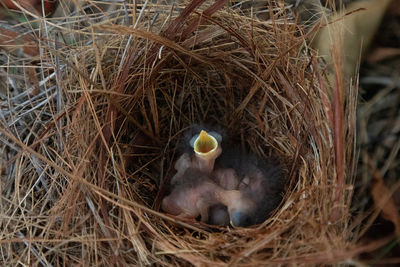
(222, 187)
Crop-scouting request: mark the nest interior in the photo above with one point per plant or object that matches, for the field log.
(85, 170)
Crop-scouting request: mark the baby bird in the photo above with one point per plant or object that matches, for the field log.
(196, 194)
(192, 195)
(228, 180)
(203, 146)
(201, 150)
(260, 185)
(222, 187)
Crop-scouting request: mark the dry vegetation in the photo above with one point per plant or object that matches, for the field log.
(92, 111)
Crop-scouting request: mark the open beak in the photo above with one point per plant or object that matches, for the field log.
(205, 144)
(207, 149)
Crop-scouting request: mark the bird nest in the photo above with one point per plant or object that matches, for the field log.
(88, 151)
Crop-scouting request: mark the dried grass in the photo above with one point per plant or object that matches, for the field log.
(86, 157)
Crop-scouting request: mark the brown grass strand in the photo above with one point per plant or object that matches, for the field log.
(125, 107)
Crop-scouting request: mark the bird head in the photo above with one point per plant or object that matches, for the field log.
(241, 211)
(240, 207)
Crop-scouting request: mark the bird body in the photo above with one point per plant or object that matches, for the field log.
(226, 178)
(223, 186)
(192, 195)
(195, 192)
(260, 182)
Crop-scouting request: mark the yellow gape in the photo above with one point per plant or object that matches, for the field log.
(205, 143)
(206, 149)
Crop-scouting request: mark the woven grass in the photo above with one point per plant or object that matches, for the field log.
(87, 150)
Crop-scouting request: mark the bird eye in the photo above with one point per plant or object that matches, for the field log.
(241, 219)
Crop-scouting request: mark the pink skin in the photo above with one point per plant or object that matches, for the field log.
(182, 164)
(192, 202)
(205, 163)
(235, 201)
(226, 178)
(194, 191)
(239, 204)
(201, 163)
(197, 192)
(191, 199)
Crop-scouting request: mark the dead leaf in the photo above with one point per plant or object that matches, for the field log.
(33, 6)
(394, 9)
(382, 53)
(353, 28)
(383, 200)
(32, 79)
(10, 40)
